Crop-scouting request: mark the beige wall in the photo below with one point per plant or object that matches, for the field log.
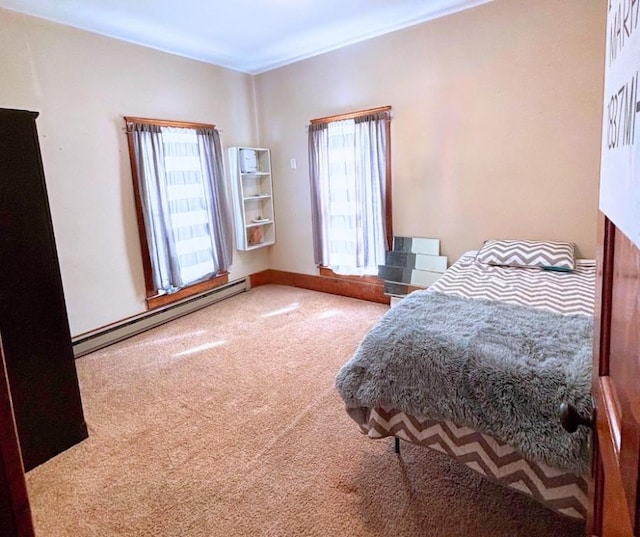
(495, 131)
(83, 84)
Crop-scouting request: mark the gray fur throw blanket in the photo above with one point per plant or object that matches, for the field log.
(497, 368)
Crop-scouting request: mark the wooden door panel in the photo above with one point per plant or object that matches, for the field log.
(616, 386)
(624, 367)
(614, 517)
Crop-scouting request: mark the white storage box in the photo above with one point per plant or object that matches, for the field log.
(248, 161)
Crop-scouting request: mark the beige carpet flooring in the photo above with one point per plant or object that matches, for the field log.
(226, 423)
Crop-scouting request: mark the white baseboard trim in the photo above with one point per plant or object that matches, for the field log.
(102, 337)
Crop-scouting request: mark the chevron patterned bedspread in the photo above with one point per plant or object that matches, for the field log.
(563, 492)
(562, 292)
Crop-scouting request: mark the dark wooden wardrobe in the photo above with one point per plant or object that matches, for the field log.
(34, 328)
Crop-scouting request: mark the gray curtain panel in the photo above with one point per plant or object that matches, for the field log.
(371, 140)
(149, 157)
(318, 161)
(221, 213)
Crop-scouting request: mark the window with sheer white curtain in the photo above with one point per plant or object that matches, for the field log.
(350, 191)
(181, 191)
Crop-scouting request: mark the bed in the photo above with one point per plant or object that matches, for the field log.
(477, 366)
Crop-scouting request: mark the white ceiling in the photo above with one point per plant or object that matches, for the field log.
(252, 36)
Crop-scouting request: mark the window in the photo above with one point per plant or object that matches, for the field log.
(351, 190)
(183, 214)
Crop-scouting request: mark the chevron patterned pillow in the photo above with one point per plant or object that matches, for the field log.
(548, 255)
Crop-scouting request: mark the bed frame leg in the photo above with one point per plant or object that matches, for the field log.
(396, 444)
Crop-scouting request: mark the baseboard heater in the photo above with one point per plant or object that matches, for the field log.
(92, 341)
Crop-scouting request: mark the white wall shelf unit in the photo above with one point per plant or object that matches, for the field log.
(252, 190)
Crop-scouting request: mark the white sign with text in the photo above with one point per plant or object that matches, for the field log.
(620, 169)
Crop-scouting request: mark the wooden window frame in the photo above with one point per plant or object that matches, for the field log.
(326, 271)
(152, 298)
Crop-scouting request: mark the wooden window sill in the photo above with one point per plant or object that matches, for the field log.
(326, 271)
(157, 301)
